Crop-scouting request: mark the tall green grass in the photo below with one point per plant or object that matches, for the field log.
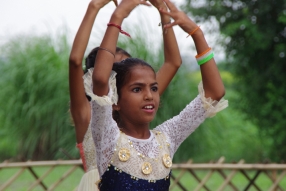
(35, 98)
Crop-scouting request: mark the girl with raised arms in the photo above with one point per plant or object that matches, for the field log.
(80, 105)
(125, 99)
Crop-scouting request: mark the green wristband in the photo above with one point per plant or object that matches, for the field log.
(204, 60)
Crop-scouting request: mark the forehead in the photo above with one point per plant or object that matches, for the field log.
(141, 74)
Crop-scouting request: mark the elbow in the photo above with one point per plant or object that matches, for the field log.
(75, 61)
(215, 93)
(100, 88)
(220, 94)
(178, 63)
(99, 82)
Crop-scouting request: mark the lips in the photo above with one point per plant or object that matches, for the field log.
(149, 108)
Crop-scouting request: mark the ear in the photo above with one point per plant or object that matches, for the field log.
(115, 107)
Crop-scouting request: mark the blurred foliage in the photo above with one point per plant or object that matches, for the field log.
(35, 121)
(255, 41)
(35, 98)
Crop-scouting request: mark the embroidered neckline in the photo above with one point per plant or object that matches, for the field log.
(123, 153)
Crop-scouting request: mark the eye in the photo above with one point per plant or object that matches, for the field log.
(154, 89)
(136, 90)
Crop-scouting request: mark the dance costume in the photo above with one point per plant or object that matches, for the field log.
(127, 163)
(87, 154)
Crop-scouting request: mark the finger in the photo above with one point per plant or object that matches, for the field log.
(170, 5)
(166, 26)
(143, 2)
(115, 2)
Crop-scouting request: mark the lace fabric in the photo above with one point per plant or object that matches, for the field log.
(133, 166)
(106, 133)
(150, 150)
(88, 181)
(178, 128)
(87, 152)
(112, 98)
(211, 106)
(104, 129)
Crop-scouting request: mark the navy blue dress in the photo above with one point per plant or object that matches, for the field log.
(114, 180)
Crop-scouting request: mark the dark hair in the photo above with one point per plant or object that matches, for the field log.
(123, 70)
(90, 59)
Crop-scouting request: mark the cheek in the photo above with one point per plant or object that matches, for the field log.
(126, 101)
(157, 99)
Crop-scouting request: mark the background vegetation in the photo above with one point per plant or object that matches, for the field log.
(34, 118)
(255, 41)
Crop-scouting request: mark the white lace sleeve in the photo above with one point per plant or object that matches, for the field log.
(105, 131)
(112, 96)
(211, 106)
(178, 128)
(181, 126)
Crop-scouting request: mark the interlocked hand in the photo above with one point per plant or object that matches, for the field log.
(180, 18)
(126, 6)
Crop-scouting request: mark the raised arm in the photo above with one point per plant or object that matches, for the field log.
(79, 106)
(172, 56)
(105, 56)
(212, 82)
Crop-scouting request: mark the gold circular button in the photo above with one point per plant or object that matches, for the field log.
(167, 161)
(124, 155)
(146, 168)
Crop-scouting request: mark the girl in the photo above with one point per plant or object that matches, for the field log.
(80, 105)
(129, 155)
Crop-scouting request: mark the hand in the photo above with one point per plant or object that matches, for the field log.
(180, 18)
(126, 6)
(159, 4)
(102, 3)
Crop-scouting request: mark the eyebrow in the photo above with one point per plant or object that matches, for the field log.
(143, 84)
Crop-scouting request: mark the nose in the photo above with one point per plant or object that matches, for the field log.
(148, 95)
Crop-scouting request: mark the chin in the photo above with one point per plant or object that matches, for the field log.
(151, 119)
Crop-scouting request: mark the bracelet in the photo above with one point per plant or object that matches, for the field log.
(119, 27)
(205, 56)
(100, 48)
(191, 33)
(162, 24)
(204, 52)
(165, 31)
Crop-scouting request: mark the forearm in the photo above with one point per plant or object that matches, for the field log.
(212, 82)
(83, 35)
(172, 58)
(105, 57)
(80, 107)
(171, 49)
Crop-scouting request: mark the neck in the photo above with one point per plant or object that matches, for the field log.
(136, 131)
